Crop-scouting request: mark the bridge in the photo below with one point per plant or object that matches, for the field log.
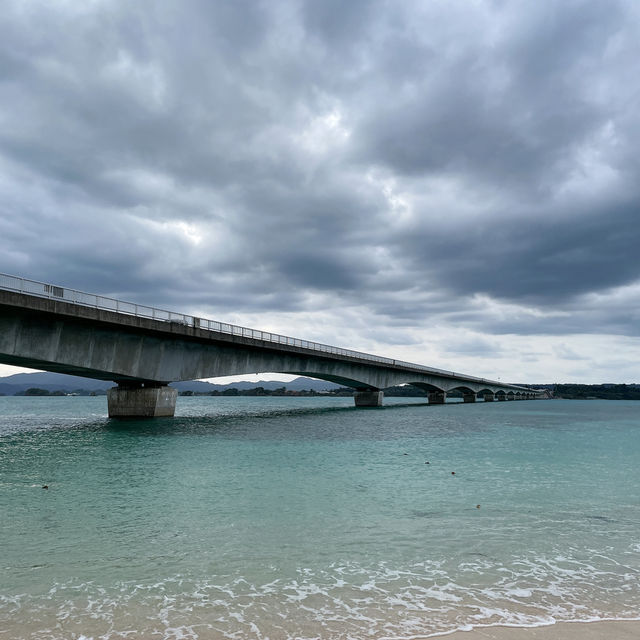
(142, 349)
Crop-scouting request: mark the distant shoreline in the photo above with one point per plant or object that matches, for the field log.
(561, 392)
(55, 384)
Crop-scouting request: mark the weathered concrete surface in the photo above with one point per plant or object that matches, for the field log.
(141, 402)
(60, 336)
(469, 397)
(437, 397)
(368, 398)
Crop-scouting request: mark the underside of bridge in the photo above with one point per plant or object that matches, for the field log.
(142, 356)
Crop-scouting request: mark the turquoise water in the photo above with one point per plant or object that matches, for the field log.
(306, 518)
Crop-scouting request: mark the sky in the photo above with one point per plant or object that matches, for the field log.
(450, 182)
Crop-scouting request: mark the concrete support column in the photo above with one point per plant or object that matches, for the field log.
(509, 397)
(368, 398)
(469, 397)
(136, 401)
(437, 397)
(501, 397)
(489, 397)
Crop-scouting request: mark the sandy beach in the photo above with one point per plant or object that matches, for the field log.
(613, 630)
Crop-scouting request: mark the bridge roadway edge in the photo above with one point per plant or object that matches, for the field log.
(55, 335)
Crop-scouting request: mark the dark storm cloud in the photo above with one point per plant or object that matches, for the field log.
(401, 158)
(511, 110)
(534, 258)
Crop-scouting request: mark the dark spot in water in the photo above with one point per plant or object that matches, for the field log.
(477, 506)
(453, 473)
(424, 514)
(45, 486)
(600, 518)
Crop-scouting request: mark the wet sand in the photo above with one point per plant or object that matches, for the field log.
(561, 631)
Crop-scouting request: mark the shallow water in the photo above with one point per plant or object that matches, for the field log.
(306, 518)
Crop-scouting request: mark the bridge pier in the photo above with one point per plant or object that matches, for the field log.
(368, 397)
(469, 397)
(136, 401)
(489, 397)
(437, 397)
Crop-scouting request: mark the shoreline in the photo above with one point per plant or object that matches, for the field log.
(596, 630)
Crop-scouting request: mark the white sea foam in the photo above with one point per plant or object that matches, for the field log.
(341, 601)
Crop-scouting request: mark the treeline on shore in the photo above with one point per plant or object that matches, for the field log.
(597, 391)
(565, 391)
(37, 391)
(401, 391)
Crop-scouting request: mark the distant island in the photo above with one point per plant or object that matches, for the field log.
(596, 391)
(56, 384)
(48, 383)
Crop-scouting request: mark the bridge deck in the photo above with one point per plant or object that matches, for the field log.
(56, 301)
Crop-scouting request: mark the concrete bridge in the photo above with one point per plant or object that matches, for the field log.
(143, 349)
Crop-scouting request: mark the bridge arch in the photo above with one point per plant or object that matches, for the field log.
(426, 386)
(340, 380)
(462, 388)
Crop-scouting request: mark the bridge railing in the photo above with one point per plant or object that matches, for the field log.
(54, 292)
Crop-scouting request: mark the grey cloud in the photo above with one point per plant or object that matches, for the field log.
(238, 156)
(510, 111)
(543, 260)
(566, 353)
(476, 347)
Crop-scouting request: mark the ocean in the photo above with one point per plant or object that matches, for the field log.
(275, 517)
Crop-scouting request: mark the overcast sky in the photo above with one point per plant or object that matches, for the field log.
(455, 183)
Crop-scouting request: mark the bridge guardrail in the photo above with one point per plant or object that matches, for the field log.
(55, 292)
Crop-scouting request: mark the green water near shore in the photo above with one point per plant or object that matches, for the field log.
(306, 518)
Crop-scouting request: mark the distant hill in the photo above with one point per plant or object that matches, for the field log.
(20, 382)
(297, 384)
(49, 381)
(597, 391)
